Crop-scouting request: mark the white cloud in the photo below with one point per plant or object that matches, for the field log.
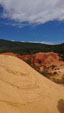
(42, 42)
(49, 43)
(33, 11)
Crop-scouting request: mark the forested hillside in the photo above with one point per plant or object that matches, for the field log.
(28, 48)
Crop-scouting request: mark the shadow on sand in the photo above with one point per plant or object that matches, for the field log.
(61, 106)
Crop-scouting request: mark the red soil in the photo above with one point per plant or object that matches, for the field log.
(43, 59)
(40, 59)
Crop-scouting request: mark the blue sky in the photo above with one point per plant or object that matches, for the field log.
(24, 26)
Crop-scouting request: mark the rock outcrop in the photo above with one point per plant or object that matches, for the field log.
(23, 90)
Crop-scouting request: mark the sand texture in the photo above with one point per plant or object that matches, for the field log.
(23, 90)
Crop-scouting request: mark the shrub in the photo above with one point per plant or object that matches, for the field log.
(28, 62)
(46, 74)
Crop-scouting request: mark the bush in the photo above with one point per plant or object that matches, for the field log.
(58, 81)
(46, 74)
(28, 62)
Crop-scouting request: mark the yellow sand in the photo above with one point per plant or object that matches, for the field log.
(23, 90)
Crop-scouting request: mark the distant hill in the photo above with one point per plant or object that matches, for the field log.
(24, 48)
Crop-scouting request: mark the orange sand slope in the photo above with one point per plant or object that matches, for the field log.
(23, 90)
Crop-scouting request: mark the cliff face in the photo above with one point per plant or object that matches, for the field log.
(40, 59)
(24, 90)
(43, 59)
(50, 64)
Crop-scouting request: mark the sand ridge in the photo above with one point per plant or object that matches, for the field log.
(23, 90)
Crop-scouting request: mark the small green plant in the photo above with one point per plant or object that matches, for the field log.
(28, 62)
(47, 74)
(58, 81)
(35, 67)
